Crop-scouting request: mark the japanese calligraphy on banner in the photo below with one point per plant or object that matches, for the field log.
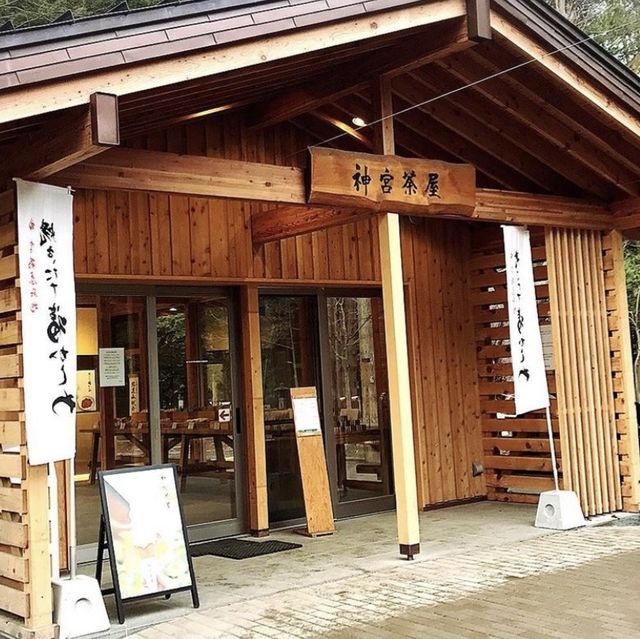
(529, 376)
(45, 244)
(391, 183)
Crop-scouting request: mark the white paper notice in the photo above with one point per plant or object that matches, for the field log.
(111, 367)
(306, 415)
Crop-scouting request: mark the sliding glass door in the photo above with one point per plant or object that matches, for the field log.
(156, 384)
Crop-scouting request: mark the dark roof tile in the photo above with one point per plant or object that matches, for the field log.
(209, 27)
(255, 31)
(8, 80)
(333, 4)
(330, 14)
(37, 60)
(71, 67)
(168, 48)
(117, 44)
(261, 17)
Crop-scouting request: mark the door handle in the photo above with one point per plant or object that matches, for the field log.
(238, 421)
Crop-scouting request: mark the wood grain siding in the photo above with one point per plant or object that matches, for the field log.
(180, 239)
(158, 235)
(583, 360)
(25, 575)
(516, 450)
(622, 370)
(442, 354)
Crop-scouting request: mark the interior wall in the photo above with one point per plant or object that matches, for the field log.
(442, 347)
(199, 240)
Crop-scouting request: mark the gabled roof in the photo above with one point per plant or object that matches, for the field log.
(43, 53)
(538, 108)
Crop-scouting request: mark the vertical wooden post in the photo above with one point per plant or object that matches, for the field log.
(404, 465)
(258, 511)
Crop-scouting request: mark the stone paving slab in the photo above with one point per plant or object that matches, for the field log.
(582, 583)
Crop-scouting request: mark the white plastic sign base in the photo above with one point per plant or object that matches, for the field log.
(78, 607)
(559, 510)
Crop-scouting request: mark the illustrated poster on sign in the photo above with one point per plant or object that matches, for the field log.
(86, 391)
(306, 416)
(111, 362)
(529, 375)
(147, 535)
(48, 298)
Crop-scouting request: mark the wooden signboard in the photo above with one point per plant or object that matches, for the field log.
(390, 183)
(313, 464)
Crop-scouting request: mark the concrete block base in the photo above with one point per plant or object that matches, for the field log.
(78, 607)
(559, 510)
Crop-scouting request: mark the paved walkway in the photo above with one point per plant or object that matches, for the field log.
(581, 583)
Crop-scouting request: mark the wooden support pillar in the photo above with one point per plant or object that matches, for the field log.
(404, 465)
(253, 427)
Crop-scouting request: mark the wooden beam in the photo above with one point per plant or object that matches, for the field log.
(479, 20)
(395, 328)
(345, 127)
(139, 170)
(626, 217)
(499, 207)
(507, 207)
(67, 140)
(289, 221)
(555, 66)
(344, 80)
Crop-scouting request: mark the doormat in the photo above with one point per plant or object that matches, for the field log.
(240, 548)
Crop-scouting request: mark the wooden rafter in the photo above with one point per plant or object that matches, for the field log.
(411, 143)
(453, 123)
(571, 154)
(565, 171)
(514, 38)
(342, 81)
(69, 139)
(533, 86)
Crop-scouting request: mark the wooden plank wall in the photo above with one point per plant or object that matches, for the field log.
(139, 234)
(25, 574)
(622, 370)
(195, 240)
(584, 368)
(516, 451)
(444, 376)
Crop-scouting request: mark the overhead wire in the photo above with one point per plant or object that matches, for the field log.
(470, 85)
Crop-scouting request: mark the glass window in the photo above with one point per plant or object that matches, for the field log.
(360, 406)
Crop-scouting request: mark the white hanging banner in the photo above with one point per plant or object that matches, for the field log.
(529, 376)
(47, 291)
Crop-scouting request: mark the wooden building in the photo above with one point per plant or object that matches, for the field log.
(185, 132)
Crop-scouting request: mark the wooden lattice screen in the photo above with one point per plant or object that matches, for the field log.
(516, 450)
(25, 573)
